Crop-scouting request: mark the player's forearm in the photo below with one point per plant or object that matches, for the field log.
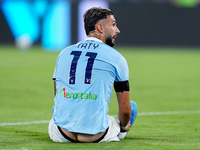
(124, 118)
(124, 112)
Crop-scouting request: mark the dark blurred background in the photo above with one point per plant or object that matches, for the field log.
(55, 24)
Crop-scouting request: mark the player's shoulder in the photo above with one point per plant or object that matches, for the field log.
(112, 52)
(67, 49)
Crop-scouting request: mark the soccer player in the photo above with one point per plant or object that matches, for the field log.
(83, 79)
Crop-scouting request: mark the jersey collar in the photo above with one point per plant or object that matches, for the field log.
(93, 39)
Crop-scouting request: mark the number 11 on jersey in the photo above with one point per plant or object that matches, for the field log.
(88, 69)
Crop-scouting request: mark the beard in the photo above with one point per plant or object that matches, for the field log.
(109, 42)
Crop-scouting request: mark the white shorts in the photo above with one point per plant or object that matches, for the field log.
(113, 133)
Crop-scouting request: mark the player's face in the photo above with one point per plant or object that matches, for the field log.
(111, 30)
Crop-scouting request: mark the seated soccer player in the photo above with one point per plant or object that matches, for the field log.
(83, 80)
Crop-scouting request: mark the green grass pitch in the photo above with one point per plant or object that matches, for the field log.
(166, 81)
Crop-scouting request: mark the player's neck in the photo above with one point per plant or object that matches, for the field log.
(96, 35)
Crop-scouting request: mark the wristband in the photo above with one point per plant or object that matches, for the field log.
(124, 128)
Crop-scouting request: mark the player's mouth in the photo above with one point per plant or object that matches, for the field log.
(114, 37)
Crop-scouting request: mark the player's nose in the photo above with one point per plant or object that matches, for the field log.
(117, 31)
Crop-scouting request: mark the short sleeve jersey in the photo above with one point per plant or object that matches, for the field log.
(84, 74)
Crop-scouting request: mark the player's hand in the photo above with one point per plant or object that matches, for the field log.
(127, 129)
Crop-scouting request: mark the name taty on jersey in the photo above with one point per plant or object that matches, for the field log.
(88, 45)
(77, 95)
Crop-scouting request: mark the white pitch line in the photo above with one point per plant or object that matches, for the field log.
(24, 123)
(169, 113)
(166, 113)
(139, 114)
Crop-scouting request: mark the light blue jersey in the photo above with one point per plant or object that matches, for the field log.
(84, 74)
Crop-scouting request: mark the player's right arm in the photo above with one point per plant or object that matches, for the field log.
(121, 85)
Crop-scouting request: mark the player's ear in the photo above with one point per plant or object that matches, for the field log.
(99, 28)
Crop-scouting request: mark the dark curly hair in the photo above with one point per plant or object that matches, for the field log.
(93, 15)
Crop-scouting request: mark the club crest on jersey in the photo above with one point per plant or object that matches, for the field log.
(77, 95)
